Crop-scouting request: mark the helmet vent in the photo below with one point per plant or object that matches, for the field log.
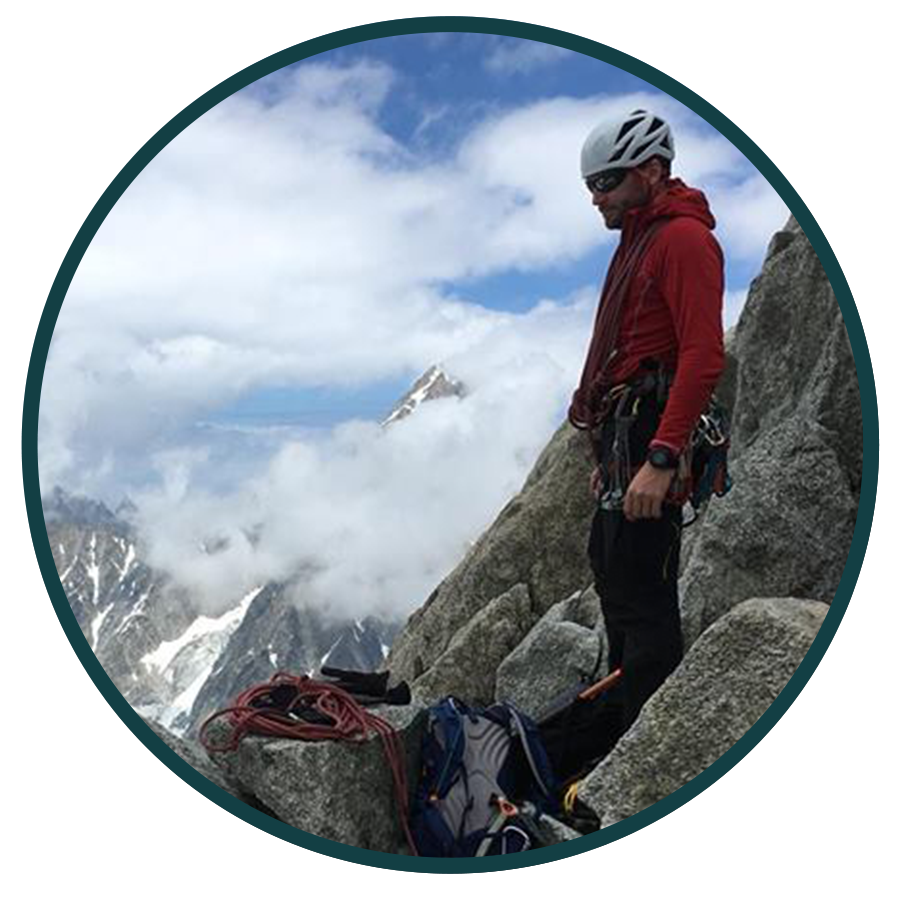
(620, 152)
(639, 150)
(626, 128)
(665, 143)
(656, 124)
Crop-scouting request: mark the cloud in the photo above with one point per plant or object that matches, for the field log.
(286, 238)
(748, 213)
(370, 519)
(512, 56)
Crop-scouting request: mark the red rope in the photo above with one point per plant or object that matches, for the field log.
(348, 722)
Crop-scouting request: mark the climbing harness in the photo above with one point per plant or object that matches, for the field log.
(702, 467)
(619, 409)
(295, 706)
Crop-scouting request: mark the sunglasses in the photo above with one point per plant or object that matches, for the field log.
(604, 182)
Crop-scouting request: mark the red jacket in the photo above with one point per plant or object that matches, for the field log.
(672, 309)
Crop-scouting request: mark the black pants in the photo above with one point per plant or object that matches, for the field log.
(635, 567)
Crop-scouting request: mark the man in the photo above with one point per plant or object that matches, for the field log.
(654, 358)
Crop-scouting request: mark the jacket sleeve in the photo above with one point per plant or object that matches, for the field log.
(692, 282)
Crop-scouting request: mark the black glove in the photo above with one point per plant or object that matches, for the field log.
(369, 688)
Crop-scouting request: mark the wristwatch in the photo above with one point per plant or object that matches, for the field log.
(662, 458)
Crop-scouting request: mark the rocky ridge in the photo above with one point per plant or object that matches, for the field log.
(517, 619)
(173, 662)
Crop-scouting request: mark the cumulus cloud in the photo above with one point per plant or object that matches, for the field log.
(748, 213)
(370, 519)
(286, 238)
(513, 56)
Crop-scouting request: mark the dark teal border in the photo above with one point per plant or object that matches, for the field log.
(799, 793)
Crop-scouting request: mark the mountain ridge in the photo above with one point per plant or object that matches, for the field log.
(174, 662)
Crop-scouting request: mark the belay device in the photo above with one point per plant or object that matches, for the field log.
(485, 782)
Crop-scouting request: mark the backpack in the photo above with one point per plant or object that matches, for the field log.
(485, 781)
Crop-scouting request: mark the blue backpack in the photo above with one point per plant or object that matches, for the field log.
(485, 781)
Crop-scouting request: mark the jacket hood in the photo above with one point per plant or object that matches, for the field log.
(675, 200)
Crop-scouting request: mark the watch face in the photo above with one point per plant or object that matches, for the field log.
(662, 459)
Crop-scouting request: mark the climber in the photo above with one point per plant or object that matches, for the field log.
(654, 358)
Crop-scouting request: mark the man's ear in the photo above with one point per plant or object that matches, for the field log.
(652, 172)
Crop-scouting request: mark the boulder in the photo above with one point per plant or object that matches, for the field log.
(338, 790)
(726, 389)
(561, 648)
(468, 667)
(794, 355)
(551, 831)
(725, 683)
(538, 540)
(786, 527)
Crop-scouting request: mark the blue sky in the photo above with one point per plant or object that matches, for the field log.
(447, 84)
(283, 270)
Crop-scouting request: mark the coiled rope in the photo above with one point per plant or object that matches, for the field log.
(295, 706)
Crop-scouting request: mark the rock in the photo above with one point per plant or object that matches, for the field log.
(726, 682)
(786, 527)
(338, 790)
(468, 667)
(500, 626)
(553, 832)
(582, 608)
(794, 355)
(726, 389)
(555, 655)
(538, 540)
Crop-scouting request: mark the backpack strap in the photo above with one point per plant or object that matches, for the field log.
(448, 715)
(529, 737)
(491, 832)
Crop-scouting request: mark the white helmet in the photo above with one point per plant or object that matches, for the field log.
(626, 143)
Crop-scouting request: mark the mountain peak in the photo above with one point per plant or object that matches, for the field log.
(431, 385)
(61, 506)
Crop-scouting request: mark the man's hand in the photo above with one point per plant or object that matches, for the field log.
(646, 493)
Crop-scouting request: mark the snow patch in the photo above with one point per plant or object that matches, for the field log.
(135, 610)
(184, 701)
(97, 624)
(418, 396)
(69, 568)
(202, 626)
(324, 660)
(93, 570)
(126, 566)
